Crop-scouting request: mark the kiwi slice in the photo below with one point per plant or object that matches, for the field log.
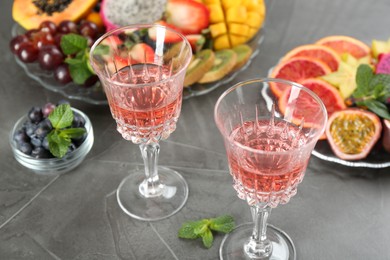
(243, 52)
(223, 63)
(201, 64)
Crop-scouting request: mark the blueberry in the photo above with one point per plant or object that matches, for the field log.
(78, 141)
(21, 136)
(45, 143)
(71, 148)
(43, 128)
(78, 120)
(29, 128)
(35, 115)
(35, 141)
(40, 153)
(25, 148)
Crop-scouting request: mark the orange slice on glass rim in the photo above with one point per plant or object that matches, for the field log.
(320, 52)
(297, 69)
(346, 44)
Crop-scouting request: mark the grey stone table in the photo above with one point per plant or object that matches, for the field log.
(338, 213)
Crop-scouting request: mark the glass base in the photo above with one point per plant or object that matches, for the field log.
(172, 199)
(232, 246)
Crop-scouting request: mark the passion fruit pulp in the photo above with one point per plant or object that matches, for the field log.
(352, 133)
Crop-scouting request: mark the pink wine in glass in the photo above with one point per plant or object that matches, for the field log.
(145, 113)
(265, 171)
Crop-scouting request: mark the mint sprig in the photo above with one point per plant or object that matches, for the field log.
(372, 90)
(60, 136)
(76, 47)
(203, 229)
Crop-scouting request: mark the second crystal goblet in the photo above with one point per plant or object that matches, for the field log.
(142, 69)
(268, 140)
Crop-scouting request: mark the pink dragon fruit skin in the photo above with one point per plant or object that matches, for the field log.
(383, 66)
(118, 13)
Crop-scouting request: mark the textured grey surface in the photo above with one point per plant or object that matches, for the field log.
(338, 213)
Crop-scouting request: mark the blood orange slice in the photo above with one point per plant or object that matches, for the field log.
(296, 70)
(345, 44)
(320, 52)
(326, 92)
(352, 133)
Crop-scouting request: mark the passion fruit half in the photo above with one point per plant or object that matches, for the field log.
(352, 133)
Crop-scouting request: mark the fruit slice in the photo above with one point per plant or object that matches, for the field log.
(383, 65)
(296, 70)
(344, 77)
(196, 41)
(352, 133)
(243, 52)
(28, 15)
(386, 135)
(189, 16)
(223, 63)
(345, 44)
(118, 13)
(198, 67)
(379, 47)
(170, 37)
(234, 22)
(323, 53)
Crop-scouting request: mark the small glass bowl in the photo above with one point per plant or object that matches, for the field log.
(50, 166)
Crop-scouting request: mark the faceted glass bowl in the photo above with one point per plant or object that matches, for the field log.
(49, 166)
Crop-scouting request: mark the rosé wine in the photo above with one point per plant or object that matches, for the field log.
(148, 111)
(264, 160)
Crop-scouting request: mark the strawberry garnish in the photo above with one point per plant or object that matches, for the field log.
(189, 16)
(142, 53)
(170, 37)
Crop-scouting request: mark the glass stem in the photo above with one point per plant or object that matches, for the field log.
(258, 246)
(151, 186)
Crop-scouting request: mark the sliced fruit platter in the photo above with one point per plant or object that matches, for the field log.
(353, 81)
(224, 36)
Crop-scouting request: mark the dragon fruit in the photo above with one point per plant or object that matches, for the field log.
(117, 13)
(383, 65)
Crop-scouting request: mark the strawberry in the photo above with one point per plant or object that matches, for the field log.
(197, 41)
(142, 53)
(189, 16)
(169, 36)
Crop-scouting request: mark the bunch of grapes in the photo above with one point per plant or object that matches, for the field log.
(42, 45)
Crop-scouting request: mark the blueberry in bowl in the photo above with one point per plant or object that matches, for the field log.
(52, 139)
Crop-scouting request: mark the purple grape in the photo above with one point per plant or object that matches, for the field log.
(50, 57)
(62, 74)
(67, 27)
(47, 109)
(35, 115)
(27, 52)
(48, 27)
(16, 42)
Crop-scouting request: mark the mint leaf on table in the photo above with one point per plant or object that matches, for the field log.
(207, 238)
(223, 224)
(203, 229)
(61, 116)
(73, 43)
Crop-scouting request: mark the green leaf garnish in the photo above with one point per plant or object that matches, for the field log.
(60, 137)
(203, 228)
(61, 116)
(372, 90)
(76, 47)
(72, 43)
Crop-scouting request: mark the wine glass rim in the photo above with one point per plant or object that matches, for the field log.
(267, 80)
(141, 26)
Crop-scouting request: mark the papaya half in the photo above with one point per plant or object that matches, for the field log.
(30, 14)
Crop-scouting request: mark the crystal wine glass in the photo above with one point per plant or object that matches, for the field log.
(142, 69)
(268, 141)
